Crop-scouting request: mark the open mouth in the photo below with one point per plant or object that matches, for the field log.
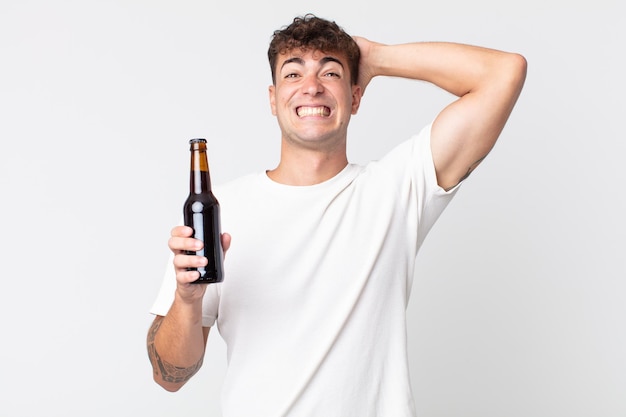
(318, 111)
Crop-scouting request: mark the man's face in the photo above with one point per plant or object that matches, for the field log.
(313, 98)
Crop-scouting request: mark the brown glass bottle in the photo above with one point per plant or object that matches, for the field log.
(202, 213)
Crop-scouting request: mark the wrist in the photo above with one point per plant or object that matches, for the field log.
(188, 308)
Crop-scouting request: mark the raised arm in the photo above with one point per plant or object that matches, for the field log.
(487, 82)
(176, 342)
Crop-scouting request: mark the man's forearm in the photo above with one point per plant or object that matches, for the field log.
(457, 68)
(176, 345)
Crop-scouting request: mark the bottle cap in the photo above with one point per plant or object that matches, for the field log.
(197, 140)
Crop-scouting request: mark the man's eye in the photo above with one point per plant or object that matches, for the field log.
(332, 75)
(292, 75)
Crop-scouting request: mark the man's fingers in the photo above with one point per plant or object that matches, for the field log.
(182, 261)
(187, 277)
(182, 231)
(184, 244)
(225, 242)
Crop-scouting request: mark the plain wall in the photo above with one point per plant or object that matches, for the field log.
(518, 305)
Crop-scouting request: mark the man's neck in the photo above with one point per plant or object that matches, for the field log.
(308, 168)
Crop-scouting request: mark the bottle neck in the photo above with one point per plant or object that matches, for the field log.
(200, 179)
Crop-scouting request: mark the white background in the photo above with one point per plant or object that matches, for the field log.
(519, 305)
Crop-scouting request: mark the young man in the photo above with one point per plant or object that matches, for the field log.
(313, 305)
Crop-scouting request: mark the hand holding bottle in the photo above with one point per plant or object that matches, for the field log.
(182, 242)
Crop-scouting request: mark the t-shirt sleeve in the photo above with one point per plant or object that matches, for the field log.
(435, 198)
(411, 164)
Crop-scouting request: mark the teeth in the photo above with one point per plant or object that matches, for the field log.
(321, 111)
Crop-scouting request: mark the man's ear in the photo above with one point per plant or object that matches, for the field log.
(272, 92)
(357, 93)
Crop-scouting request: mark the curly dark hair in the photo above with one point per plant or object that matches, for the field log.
(310, 32)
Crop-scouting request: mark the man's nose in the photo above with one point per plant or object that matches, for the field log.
(312, 85)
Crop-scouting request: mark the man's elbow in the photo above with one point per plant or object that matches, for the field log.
(517, 68)
(166, 385)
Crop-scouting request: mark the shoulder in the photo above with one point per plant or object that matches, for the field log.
(408, 156)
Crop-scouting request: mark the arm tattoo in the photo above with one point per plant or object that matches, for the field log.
(169, 372)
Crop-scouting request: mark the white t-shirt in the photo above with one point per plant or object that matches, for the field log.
(317, 279)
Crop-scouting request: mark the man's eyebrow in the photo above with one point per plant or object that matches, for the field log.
(295, 59)
(300, 61)
(328, 59)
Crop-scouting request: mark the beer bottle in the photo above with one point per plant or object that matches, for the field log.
(202, 213)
